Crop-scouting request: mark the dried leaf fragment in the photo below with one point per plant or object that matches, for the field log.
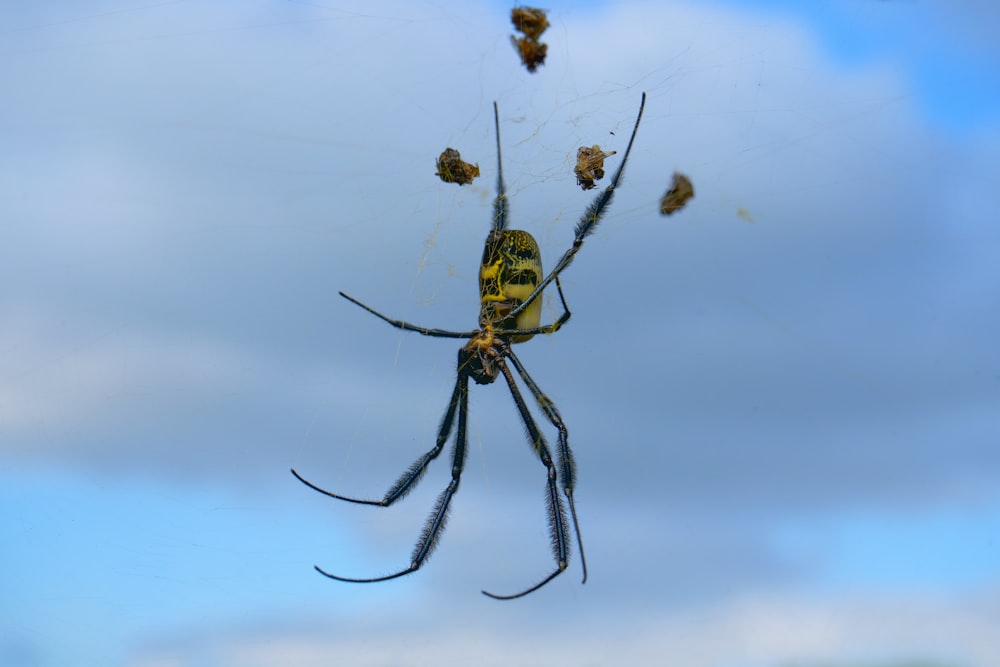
(451, 168)
(531, 23)
(532, 53)
(681, 190)
(590, 165)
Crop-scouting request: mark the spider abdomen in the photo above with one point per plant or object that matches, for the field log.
(511, 269)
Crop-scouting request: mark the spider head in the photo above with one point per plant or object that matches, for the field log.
(479, 357)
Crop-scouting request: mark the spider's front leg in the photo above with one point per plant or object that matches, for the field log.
(406, 326)
(548, 328)
(588, 221)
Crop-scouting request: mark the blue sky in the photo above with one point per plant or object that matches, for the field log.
(783, 401)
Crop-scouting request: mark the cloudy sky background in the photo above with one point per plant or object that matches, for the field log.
(784, 401)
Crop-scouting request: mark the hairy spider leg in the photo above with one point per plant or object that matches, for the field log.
(443, 333)
(588, 222)
(553, 501)
(567, 464)
(544, 329)
(408, 480)
(500, 203)
(406, 326)
(436, 522)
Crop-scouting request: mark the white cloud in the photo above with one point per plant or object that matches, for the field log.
(63, 383)
(765, 630)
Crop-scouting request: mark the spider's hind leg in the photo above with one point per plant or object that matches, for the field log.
(567, 464)
(553, 501)
(408, 480)
(435, 524)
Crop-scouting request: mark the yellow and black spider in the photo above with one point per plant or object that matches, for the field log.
(510, 289)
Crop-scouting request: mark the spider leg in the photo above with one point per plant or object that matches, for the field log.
(436, 522)
(408, 480)
(553, 502)
(588, 221)
(567, 465)
(548, 328)
(500, 203)
(406, 326)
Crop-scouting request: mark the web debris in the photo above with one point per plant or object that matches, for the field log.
(531, 23)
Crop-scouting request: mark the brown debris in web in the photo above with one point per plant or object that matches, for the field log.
(451, 168)
(590, 165)
(681, 190)
(531, 23)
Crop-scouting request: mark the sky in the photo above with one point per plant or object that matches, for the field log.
(784, 400)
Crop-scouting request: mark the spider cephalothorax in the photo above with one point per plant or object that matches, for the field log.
(478, 358)
(511, 283)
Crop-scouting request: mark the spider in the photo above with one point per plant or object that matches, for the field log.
(510, 288)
